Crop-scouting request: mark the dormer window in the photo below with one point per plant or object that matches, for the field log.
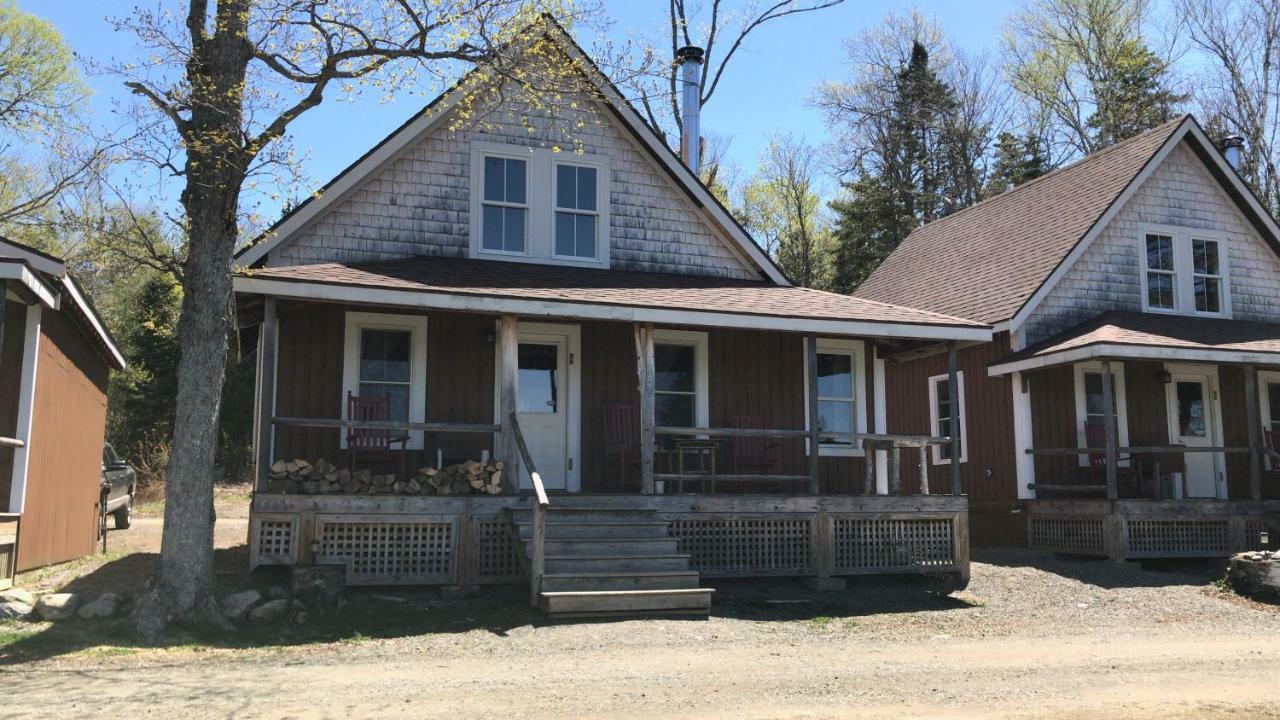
(538, 205)
(1184, 272)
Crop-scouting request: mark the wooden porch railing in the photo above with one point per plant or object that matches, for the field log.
(870, 442)
(541, 504)
(1111, 486)
(11, 443)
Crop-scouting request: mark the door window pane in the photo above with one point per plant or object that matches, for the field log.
(1191, 418)
(537, 382)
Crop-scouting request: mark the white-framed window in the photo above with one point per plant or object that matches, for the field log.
(842, 393)
(1090, 409)
(385, 355)
(680, 378)
(1184, 271)
(577, 217)
(504, 204)
(537, 205)
(1269, 408)
(945, 420)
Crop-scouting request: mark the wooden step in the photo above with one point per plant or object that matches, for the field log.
(637, 580)
(626, 602)
(598, 529)
(616, 563)
(614, 547)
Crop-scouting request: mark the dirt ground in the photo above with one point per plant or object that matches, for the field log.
(1034, 636)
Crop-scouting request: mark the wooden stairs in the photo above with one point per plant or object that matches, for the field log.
(611, 561)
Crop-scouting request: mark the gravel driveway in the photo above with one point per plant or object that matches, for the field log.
(1034, 636)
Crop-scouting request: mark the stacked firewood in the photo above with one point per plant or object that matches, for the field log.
(299, 477)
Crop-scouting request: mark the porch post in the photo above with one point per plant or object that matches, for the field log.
(1253, 421)
(1109, 428)
(508, 372)
(2, 292)
(811, 358)
(266, 409)
(953, 402)
(644, 374)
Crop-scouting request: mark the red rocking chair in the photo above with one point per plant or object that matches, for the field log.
(1130, 479)
(621, 440)
(753, 455)
(374, 446)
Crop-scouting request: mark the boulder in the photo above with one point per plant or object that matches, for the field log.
(236, 606)
(14, 610)
(1255, 574)
(17, 595)
(106, 606)
(319, 586)
(57, 606)
(269, 611)
(277, 592)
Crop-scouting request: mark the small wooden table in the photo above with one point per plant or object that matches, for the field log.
(693, 456)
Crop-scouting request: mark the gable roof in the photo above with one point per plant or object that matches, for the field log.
(46, 277)
(591, 293)
(991, 262)
(435, 112)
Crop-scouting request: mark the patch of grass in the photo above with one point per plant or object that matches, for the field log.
(11, 631)
(821, 622)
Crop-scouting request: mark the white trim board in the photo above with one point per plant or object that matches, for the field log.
(351, 178)
(591, 311)
(26, 408)
(1188, 126)
(37, 260)
(1133, 352)
(935, 451)
(857, 350)
(21, 273)
(69, 286)
(1121, 399)
(416, 326)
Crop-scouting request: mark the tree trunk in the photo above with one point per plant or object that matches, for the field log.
(182, 589)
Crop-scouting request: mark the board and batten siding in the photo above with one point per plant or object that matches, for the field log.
(1180, 192)
(988, 474)
(418, 204)
(60, 520)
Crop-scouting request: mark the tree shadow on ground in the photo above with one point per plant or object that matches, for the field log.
(1107, 574)
(365, 613)
(788, 599)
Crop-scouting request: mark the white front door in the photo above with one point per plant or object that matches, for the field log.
(1193, 421)
(546, 399)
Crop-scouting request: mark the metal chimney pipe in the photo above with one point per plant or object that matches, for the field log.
(689, 59)
(1232, 146)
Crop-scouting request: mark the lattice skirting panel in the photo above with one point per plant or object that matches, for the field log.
(863, 544)
(1177, 537)
(1079, 534)
(406, 550)
(729, 547)
(8, 563)
(273, 540)
(1253, 529)
(498, 553)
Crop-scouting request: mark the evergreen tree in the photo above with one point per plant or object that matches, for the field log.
(1017, 160)
(869, 225)
(1137, 97)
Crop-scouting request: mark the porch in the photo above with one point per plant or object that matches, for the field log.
(1147, 436)
(636, 455)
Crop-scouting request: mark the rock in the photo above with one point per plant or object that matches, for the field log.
(296, 605)
(277, 592)
(1255, 574)
(57, 606)
(236, 606)
(17, 595)
(319, 585)
(14, 610)
(300, 618)
(269, 611)
(106, 606)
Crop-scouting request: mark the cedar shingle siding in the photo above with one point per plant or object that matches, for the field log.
(419, 204)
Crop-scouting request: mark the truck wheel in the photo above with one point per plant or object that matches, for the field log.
(124, 516)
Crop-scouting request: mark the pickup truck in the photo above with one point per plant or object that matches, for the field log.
(118, 483)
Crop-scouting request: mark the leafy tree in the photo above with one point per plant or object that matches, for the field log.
(1017, 160)
(783, 210)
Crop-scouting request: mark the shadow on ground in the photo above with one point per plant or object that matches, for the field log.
(1107, 574)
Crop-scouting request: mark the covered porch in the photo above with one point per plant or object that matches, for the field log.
(697, 408)
(1142, 435)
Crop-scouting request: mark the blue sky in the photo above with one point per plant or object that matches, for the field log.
(766, 89)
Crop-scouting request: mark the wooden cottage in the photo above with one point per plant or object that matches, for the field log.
(1129, 404)
(55, 358)
(484, 358)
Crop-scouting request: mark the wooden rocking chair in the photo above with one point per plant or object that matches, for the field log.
(754, 454)
(1130, 480)
(374, 446)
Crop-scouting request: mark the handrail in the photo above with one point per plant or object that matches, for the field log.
(1141, 450)
(908, 440)
(385, 425)
(12, 442)
(540, 505)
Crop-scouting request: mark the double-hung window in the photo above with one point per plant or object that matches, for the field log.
(841, 390)
(1091, 411)
(1184, 271)
(577, 211)
(385, 356)
(505, 205)
(947, 421)
(680, 378)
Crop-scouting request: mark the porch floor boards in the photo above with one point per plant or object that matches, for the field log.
(612, 561)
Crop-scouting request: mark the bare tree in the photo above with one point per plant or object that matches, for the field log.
(223, 85)
(782, 206)
(1238, 89)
